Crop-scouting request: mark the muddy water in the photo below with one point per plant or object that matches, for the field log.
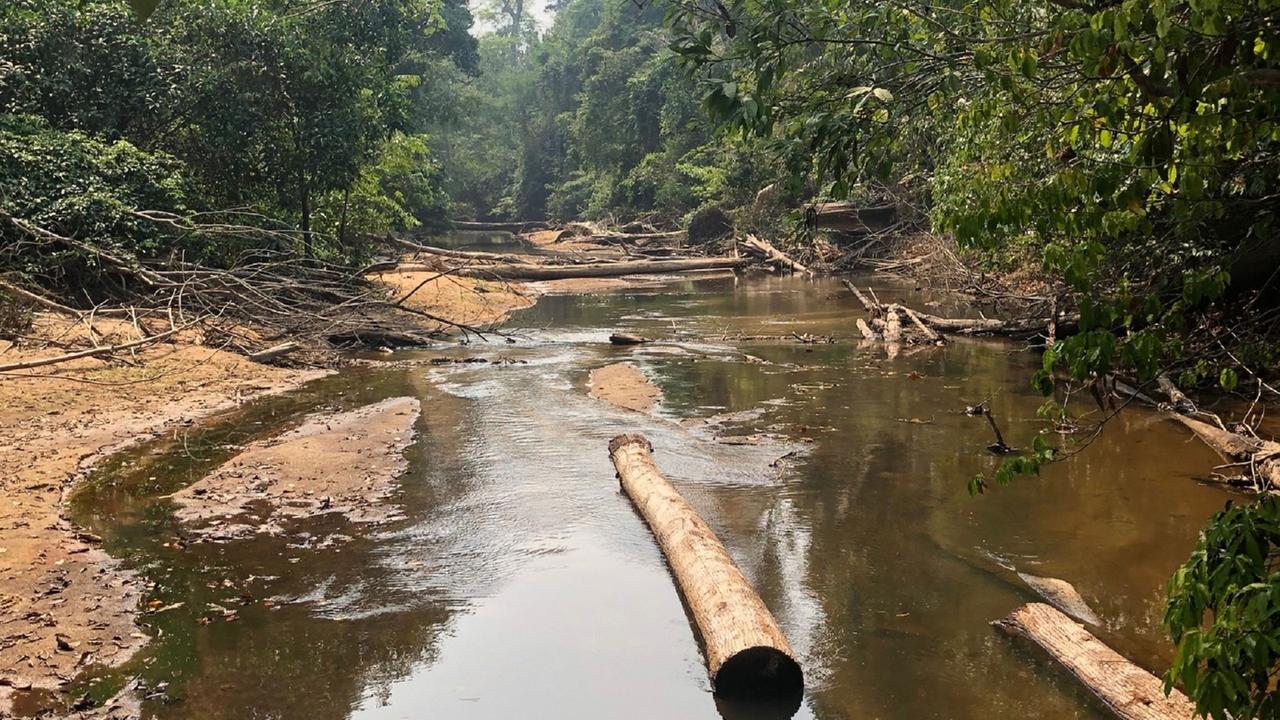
(522, 584)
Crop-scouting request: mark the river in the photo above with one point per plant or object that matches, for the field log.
(521, 584)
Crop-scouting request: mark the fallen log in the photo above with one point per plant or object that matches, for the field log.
(847, 217)
(915, 319)
(92, 352)
(892, 325)
(627, 339)
(1261, 457)
(530, 271)
(512, 227)
(1180, 401)
(773, 255)
(865, 329)
(746, 652)
(1129, 691)
(274, 352)
(414, 247)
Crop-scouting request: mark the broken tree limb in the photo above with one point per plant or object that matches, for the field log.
(529, 271)
(274, 352)
(1129, 691)
(871, 307)
(915, 319)
(1261, 457)
(414, 247)
(1062, 595)
(1180, 401)
(773, 255)
(92, 352)
(892, 325)
(865, 329)
(746, 651)
(512, 227)
(627, 339)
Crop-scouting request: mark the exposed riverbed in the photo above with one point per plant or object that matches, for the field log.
(516, 581)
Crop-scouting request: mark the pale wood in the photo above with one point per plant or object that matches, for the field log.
(529, 271)
(746, 652)
(447, 252)
(892, 325)
(780, 259)
(628, 339)
(513, 227)
(865, 329)
(1260, 456)
(274, 352)
(92, 352)
(1129, 691)
(928, 332)
(871, 307)
(1176, 396)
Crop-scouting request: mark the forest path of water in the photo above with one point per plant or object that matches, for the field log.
(521, 583)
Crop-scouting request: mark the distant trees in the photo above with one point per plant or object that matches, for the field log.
(302, 113)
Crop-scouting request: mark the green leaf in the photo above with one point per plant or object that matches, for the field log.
(144, 8)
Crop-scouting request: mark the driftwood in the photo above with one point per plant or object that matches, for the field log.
(512, 227)
(274, 352)
(1129, 691)
(1180, 401)
(91, 352)
(1260, 457)
(529, 271)
(414, 247)
(746, 651)
(628, 339)
(772, 255)
(1259, 460)
(847, 217)
(931, 327)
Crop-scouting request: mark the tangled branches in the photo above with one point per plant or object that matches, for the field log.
(261, 296)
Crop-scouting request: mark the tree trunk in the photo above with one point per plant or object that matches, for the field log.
(1262, 458)
(529, 271)
(746, 651)
(773, 255)
(1129, 691)
(342, 219)
(308, 249)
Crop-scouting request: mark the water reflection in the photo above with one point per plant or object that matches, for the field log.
(522, 583)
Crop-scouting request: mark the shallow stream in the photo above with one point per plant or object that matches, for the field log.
(521, 583)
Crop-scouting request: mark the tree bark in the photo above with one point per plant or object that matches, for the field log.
(746, 651)
(1260, 456)
(773, 255)
(93, 352)
(513, 227)
(1129, 691)
(529, 271)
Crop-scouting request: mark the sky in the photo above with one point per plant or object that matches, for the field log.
(536, 8)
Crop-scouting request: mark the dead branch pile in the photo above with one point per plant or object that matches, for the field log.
(265, 303)
(894, 323)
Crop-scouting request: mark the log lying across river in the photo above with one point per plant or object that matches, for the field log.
(747, 654)
(530, 271)
(1129, 691)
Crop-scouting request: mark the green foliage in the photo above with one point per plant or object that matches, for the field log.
(1224, 614)
(604, 122)
(77, 186)
(311, 117)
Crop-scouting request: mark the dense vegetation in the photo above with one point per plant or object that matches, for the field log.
(305, 121)
(1127, 150)
(592, 118)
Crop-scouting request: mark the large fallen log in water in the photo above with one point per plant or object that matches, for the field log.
(530, 271)
(512, 227)
(1260, 458)
(747, 654)
(772, 255)
(1129, 691)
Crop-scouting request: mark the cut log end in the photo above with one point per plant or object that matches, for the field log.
(622, 441)
(759, 672)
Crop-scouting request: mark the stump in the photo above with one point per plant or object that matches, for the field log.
(746, 652)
